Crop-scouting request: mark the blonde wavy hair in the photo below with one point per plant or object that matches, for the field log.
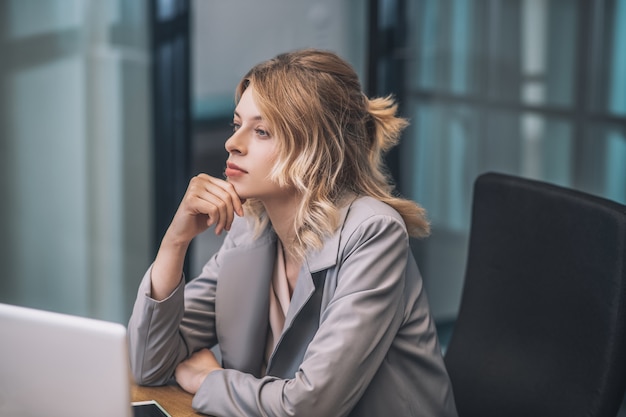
(332, 142)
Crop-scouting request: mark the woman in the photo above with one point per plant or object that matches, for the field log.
(314, 297)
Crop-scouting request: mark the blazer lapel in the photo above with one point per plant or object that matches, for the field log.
(302, 320)
(301, 294)
(301, 325)
(242, 304)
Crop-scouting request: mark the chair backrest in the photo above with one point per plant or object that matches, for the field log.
(542, 322)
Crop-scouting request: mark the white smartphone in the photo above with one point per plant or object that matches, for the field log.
(148, 409)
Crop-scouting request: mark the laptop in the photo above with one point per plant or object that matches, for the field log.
(53, 364)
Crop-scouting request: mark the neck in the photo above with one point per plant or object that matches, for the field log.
(281, 213)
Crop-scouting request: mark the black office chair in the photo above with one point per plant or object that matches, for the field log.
(541, 329)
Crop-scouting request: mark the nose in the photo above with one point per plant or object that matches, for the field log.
(235, 143)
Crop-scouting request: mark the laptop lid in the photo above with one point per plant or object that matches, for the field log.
(53, 364)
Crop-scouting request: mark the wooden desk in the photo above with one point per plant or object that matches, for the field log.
(171, 397)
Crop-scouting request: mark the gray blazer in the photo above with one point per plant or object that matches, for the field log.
(358, 338)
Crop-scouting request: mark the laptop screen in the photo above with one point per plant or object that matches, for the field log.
(53, 364)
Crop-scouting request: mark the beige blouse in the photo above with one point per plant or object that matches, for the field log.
(280, 299)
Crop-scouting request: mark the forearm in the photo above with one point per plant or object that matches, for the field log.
(167, 269)
(155, 342)
(162, 333)
(207, 202)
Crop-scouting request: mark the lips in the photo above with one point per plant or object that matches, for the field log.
(233, 170)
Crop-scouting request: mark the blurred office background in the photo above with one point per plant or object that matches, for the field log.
(108, 107)
(76, 191)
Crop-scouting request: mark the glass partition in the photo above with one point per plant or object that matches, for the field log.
(74, 154)
(535, 88)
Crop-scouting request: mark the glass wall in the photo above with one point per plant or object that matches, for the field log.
(74, 155)
(535, 88)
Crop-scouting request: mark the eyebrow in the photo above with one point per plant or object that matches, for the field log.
(259, 117)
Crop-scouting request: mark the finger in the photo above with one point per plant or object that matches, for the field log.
(214, 191)
(207, 188)
(216, 210)
(223, 203)
(228, 193)
(236, 201)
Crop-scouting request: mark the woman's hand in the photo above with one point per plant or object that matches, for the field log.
(208, 201)
(191, 372)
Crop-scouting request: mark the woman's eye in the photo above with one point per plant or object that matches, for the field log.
(235, 126)
(262, 133)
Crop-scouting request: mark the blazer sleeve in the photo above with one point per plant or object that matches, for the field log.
(356, 330)
(163, 333)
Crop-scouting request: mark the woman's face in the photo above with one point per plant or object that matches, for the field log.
(252, 150)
